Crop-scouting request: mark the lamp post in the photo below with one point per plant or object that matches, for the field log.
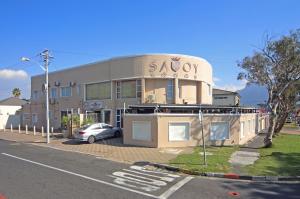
(45, 56)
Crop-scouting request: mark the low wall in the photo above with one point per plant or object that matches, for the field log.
(182, 130)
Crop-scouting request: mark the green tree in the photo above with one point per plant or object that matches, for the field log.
(16, 92)
(277, 67)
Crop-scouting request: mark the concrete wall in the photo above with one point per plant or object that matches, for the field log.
(8, 116)
(160, 129)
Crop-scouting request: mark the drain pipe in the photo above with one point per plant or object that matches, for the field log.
(200, 115)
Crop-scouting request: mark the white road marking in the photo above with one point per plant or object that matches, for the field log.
(175, 187)
(82, 176)
(139, 178)
(167, 179)
(139, 168)
(165, 195)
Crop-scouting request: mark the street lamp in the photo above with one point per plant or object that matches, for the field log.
(45, 55)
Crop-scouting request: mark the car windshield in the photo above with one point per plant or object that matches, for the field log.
(85, 127)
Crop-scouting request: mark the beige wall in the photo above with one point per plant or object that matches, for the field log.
(193, 75)
(231, 100)
(160, 124)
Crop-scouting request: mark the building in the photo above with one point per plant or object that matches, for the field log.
(225, 98)
(9, 112)
(104, 87)
(140, 85)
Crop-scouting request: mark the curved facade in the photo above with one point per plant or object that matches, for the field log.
(105, 87)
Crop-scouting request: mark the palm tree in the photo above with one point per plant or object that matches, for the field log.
(16, 92)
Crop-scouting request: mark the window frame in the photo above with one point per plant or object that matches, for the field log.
(64, 87)
(210, 133)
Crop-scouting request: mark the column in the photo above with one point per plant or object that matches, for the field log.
(143, 89)
(176, 91)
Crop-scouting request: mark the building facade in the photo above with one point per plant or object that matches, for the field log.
(108, 87)
(225, 98)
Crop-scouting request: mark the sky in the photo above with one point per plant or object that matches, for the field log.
(83, 31)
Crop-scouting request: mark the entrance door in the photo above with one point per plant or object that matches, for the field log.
(106, 116)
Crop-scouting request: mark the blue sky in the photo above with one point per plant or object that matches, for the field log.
(83, 31)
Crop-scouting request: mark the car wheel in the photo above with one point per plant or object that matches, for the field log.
(117, 134)
(91, 139)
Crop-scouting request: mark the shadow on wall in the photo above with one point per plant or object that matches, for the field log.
(233, 131)
(8, 120)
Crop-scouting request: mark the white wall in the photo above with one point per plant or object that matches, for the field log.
(8, 116)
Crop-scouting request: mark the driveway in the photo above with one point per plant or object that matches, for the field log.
(111, 149)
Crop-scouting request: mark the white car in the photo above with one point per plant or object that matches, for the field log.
(93, 132)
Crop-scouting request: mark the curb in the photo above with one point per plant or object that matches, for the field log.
(225, 175)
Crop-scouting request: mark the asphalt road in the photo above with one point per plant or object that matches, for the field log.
(32, 172)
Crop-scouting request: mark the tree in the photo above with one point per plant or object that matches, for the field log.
(286, 106)
(277, 67)
(16, 92)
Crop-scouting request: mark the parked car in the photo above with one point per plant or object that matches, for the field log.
(289, 120)
(93, 132)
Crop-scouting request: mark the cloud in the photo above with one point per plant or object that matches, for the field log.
(233, 87)
(13, 74)
(10, 79)
(215, 79)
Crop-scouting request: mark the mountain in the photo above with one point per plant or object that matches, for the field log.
(253, 94)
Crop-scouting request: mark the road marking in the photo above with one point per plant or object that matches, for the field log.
(175, 187)
(82, 176)
(119, 179)
(144, 181)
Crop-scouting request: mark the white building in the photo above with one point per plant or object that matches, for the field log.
(9, 112)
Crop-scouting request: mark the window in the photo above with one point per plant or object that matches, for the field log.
(78, 90)
(128, 89)
(98, 91)
(119, 121)
(179, 131)
(118, 89)
(34, 118)
(66, 92)
(141, 130)
(219, 131)
(170, 89)
(138, 88)
(35, 95)
(242, 129)
(220, 97)
(53, 93)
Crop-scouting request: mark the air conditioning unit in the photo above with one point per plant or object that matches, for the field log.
(151, 98)
(72, 84)
(56, 83)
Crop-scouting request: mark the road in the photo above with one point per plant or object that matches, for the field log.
(33, 172)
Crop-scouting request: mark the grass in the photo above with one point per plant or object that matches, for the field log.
(217, 162)
(283, 159)
(291, 125)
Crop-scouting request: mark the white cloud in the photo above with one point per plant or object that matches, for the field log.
(10, 79)
(13, 74)
(215, 79)
(233, 87)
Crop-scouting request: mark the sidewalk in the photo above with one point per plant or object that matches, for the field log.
(247, 154)
(111, 149)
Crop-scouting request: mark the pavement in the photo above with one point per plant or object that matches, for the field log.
(111, 149)
(32, 172)
(247, 154)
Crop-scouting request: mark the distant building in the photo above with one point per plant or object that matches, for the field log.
(225, 98)
(9, 111)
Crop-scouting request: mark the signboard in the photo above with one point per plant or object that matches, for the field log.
(93, 105)
(179, 131)
(174, 67)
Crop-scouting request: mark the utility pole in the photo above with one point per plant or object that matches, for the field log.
(46, 56)
(202, 133)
